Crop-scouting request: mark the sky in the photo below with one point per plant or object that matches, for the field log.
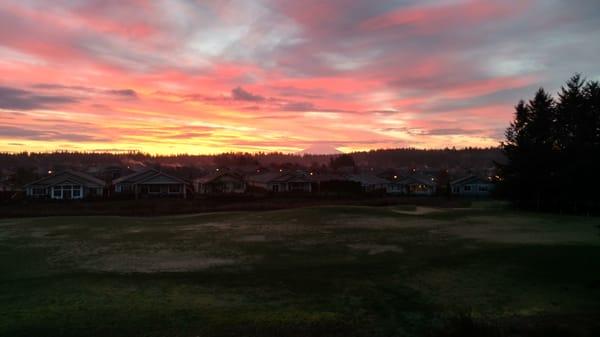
(184, 76)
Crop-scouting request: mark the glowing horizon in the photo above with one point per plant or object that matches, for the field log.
(207, 77)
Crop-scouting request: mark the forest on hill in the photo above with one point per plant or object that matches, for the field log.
(470, 158)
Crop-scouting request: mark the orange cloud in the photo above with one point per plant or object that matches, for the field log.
(205, 77)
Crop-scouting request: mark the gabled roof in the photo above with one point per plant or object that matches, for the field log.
(415, 179)
(70, 175)
(293, 177)
(216, 175)
(279, 177)
(143, 176)
(135, 176)
(367, 179)
(264, 177)
(320, 177)
(470, 179)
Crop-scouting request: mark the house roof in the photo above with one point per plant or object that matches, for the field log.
(327, 177)
(135, 176)
(279, 177)
(416, 179)
(143, 176)
(470, 179)
(264, 177)
(367, 179)
(216, 175)
(75, 176)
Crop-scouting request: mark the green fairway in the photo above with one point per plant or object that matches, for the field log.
(322, 271)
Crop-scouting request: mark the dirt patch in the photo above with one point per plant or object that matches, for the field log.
(521, 231)
(373, 249)
(164, 261)
(8, 223)
(66, 227)
(381, 222)
(39, 233)
(419, 210)
(206, 226)
(252, 238)
(6, 235)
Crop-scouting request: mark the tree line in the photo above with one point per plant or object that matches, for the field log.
(553, 150)
(471, 158)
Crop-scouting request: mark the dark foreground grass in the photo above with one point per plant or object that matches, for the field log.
(328, 271)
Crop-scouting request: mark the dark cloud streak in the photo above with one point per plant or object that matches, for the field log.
(32, 134)
(239, 94)
(19, 99)
(125, 93)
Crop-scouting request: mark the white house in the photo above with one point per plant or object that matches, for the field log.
(65, 185)
(281, 182)
(417, 185)
(220, 183)
(151, 183)
(370, 182)
(472, 185)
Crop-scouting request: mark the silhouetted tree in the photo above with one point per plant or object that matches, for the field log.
(342, 161)
(442, 181)
(552, 149)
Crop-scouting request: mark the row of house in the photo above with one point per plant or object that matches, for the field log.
(70, 184)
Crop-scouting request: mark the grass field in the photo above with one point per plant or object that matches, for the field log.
(321, 271)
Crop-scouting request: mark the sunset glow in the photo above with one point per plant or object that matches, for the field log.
(214, 76)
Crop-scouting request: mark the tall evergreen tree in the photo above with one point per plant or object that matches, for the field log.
(553, 149)
(592, 96)
(588, 141)
(514, 149)
(570, 105)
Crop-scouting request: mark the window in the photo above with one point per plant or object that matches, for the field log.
(76, 193)
(38, 191)
(298, 186)
(467, 188)
(174, 188)
(153, 188)
(57, 193)
(418, 188)
(483, 188)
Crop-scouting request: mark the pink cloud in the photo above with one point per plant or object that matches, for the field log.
(434, 16)
(276, 75)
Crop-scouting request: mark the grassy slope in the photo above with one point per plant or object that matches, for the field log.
(315, 271)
